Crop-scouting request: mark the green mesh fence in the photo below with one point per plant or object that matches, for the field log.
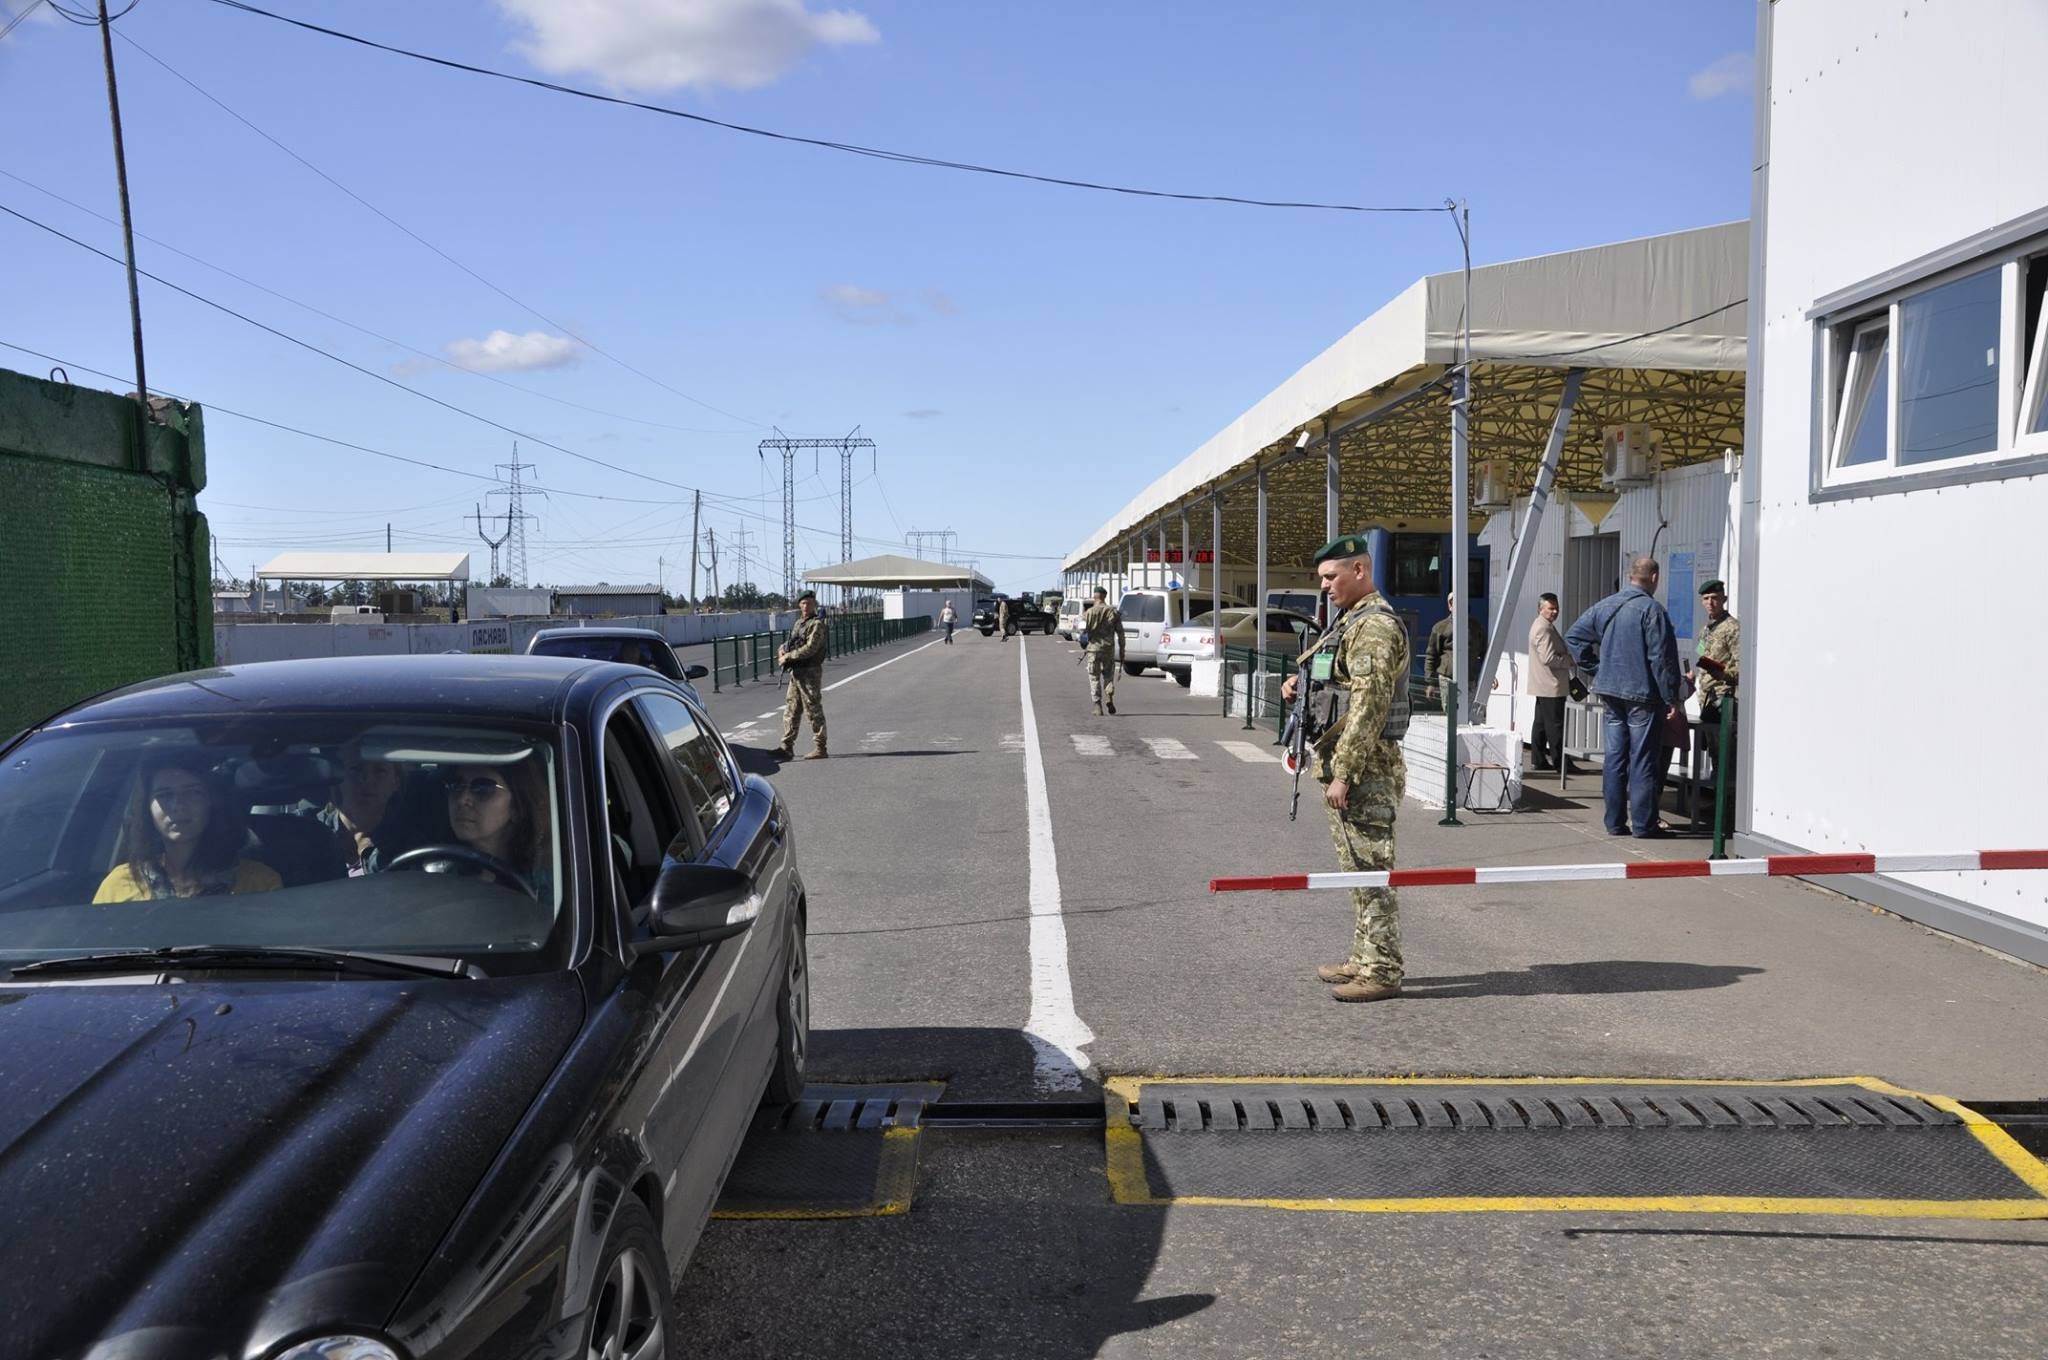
(103, 552)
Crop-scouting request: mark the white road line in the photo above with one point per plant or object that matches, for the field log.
(1087, 744)
(1248, 753)
(751, 722)
(1055, 1032)
(877, 666)
(1012, 741)
(773, 712)
(875, 740)
(1168, 748)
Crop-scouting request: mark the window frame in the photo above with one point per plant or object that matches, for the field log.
(682, 777)
(2022, 377)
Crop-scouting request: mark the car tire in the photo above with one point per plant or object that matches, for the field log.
(1133, 668)
(1185, 679)
(986, 632)
(792, 1021)
(633, 1306)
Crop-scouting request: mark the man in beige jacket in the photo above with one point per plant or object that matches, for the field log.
(1550, 678)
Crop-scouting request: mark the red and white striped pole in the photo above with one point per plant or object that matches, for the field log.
(1773, 866)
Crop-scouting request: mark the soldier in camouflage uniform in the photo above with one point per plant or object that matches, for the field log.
(1721, 645)
(803, 656)
(1358, 758)
(1102, 646)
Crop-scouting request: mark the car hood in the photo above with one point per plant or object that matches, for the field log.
(197, 1169)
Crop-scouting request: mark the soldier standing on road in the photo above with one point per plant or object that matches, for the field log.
(1102, 646)
(1362, 662)
(1003, 617)
(803, 656)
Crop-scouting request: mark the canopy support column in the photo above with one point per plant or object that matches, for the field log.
(1216, 578)
(1187, 555)
(1260, 602)
(1525, 544)
(1331, 526)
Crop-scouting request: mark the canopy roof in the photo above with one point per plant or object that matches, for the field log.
(889, 569)
(1658, 324)
(358, 566)
(606, 588)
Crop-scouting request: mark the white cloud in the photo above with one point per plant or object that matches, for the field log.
(504, 352)
(1732, 74)
(652, 45)
(861, 306)
(923, 413)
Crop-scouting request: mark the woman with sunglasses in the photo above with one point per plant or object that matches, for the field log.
(181, 841)
(500, 811)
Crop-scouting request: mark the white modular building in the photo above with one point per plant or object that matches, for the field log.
(1897, 480)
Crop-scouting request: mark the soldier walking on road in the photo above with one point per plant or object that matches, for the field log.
(803, 656)
(1003, 617)
(1102, 647)
(1362, 666)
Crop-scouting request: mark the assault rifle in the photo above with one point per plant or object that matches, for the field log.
(1296, 734)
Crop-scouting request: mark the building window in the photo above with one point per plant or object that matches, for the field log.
(1416, 568)
(1924, 381)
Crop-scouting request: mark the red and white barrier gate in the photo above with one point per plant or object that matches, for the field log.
(1775, 866)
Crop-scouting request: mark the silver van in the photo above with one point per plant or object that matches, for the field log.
(1150, 610)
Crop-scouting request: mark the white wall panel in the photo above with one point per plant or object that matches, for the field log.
(1900, 639)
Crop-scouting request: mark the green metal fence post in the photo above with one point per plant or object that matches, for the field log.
(714, 665)
(1721, 779)
(1450, 817)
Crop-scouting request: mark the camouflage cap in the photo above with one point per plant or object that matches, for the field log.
(1348, 545)
(1714, 587)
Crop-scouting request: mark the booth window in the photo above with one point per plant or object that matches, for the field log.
(2034, 327)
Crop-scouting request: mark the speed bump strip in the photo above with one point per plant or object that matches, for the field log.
(840, 1152)
(1851, 1145)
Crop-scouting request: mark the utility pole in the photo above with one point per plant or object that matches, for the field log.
(741, 576)
(387, 538)
(127, 214)
(787, 447)
(696, 514)
(716, 593)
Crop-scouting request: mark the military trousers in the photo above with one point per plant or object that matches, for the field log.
(1364, 836)
(806, 699)
(1102, 675)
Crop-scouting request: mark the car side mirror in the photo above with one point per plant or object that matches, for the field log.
(695, 672)
(698, 904)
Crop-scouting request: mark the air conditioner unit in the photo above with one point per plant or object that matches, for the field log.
(1632, 455)
(1493, 488)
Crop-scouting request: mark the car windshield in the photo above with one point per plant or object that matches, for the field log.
(399, 835)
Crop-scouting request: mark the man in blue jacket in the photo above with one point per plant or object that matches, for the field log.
(1626, 643)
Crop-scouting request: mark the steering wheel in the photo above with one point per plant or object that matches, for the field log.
(419, 856)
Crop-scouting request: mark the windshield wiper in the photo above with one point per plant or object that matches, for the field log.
(313, 957)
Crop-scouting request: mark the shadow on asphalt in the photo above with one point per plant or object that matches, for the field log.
(1595, 976)
(1012, 1246)
(936, 751)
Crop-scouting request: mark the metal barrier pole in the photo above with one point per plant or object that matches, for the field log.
(1450, 817)
(714, 665)
(1721, 779)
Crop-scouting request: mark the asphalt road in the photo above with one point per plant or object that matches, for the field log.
(933, 904)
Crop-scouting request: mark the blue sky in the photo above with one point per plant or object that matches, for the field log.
(1025, 357)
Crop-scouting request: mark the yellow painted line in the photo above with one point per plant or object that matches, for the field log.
(1124, 1160)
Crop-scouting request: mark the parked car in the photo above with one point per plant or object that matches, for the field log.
(480, 1110)
(1150, 610)
(631, 646)
(1068, 621)
(1305, 602)
(1186, 643)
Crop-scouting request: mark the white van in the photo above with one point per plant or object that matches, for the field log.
(1150, 610)
(355, 613)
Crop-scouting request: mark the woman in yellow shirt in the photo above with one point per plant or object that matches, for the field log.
(180, 841)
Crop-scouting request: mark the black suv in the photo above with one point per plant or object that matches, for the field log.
(1025, 615)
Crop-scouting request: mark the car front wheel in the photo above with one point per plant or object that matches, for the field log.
(793, 1022)
(633, 1313)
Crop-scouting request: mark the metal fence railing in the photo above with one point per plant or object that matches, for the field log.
(749, 656)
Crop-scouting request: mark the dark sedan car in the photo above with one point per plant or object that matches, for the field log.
(359, 1009)
(634, 646)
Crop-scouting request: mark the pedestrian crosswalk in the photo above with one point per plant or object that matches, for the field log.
(1097, 746)
(1168, 748)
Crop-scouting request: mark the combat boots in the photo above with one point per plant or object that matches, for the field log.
(1365, 989)
(818, 754)
(1337, 972)
(784, 753)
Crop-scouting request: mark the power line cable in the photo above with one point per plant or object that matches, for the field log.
(346, 363)
(19, 19)
(850, 148)
(725, 504)
(354, 326)
(587, 343)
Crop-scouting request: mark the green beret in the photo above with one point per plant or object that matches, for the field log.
(807, 595)
(1714, 587)
(1349, 545)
